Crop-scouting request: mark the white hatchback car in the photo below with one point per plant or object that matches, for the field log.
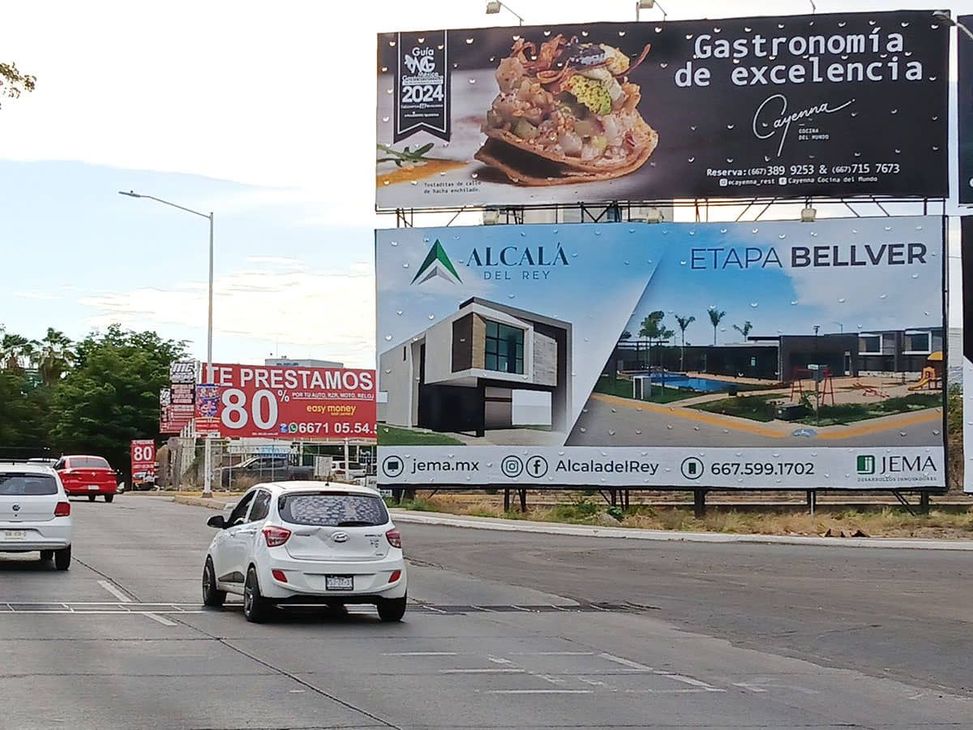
(35, 514)
(307, 542)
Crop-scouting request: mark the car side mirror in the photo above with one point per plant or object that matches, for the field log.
(217, 521)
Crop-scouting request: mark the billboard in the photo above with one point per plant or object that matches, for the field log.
(143, 461)
(966, 229)
(965, 112)
(817, 105)
(749, 355)
(297, 403)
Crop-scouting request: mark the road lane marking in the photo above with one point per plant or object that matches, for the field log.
(537, 691)
(420, 653)
(159, 619)
(552, 653)
(115, 591)
(626, 662)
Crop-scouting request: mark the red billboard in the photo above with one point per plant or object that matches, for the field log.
(297, 403)
(143, 461)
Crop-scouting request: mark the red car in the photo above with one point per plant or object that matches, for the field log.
(87, 476)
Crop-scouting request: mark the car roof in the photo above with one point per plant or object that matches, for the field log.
(304, 486)
(25, 467)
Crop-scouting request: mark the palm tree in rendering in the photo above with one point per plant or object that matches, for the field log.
(683, 323)
(745, 329)
(55, 357)
(653, 329)
(715, 317)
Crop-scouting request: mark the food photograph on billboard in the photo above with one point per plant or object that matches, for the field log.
(819, 105)
(734, 355)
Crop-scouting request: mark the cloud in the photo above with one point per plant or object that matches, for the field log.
(325, 313)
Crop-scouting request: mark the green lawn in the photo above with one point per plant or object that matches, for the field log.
(757, 408)
(393, 436)
(623, 389)
(754, 407)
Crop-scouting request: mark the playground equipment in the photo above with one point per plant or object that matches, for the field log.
(820, 378)
(932, 375)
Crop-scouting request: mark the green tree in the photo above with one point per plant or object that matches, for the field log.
(715, 317)
(744, 329)
(653, 329)
(13, 82)
(17, 353)
(683, 323)
(55, 356)
(112, 394)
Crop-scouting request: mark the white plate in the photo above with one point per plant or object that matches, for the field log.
(339, 582)
(93, 487)
(13, 535)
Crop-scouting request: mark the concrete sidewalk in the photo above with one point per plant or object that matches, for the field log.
(633, 533)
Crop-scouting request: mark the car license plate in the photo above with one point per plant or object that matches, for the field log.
(13, 535)
(93, 487)
(339, 582)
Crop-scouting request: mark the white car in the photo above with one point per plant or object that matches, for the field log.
(35, 514)
(306, 542)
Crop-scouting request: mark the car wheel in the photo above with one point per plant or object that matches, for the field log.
(109, 498)
(256, 608)
(391, 609)
(62, 558)
(212, 596)
(46, 555)
(91, 498)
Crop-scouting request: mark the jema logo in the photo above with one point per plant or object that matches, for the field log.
(435, 264)
(866, 464)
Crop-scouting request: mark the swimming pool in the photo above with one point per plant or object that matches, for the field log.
(681, 380)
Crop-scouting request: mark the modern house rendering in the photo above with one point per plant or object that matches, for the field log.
(461, 374)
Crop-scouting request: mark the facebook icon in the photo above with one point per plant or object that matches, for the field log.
(537, 467)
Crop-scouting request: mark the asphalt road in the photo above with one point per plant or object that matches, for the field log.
(507, 631)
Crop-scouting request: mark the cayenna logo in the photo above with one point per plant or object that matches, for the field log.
(437, 263)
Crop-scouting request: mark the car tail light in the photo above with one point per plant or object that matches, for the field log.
(396, 574)
(279, 575)
(394, 538)
(276, 536)
(63, 509)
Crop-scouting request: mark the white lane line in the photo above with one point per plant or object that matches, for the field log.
(159, 619)
(115, 591)
(689, 680)
(482, 671)
(552, 653)
(537, 691)
(626, 662)
(420, 653)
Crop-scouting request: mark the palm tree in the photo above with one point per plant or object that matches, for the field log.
(653, 329)
(745, 329)
(56, 356)
(715, 317)
(17, 352)
(683, 323)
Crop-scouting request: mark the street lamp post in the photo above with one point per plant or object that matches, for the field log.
(208, 447)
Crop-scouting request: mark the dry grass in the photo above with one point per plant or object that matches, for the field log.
(889, 522)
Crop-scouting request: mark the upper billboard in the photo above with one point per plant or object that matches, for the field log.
(818, 105)
(733, 355)
(965, 113)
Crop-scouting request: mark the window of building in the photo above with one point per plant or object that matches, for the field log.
(870, 344)
(504, 348)
(918, 343)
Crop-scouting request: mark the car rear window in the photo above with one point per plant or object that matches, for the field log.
(333, 509)
(87, 462)
(27, 485)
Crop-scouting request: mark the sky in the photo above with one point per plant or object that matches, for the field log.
(266, 118)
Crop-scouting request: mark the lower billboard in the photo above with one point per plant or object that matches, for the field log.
(966, 230)
(296, 403)
(732, 355)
